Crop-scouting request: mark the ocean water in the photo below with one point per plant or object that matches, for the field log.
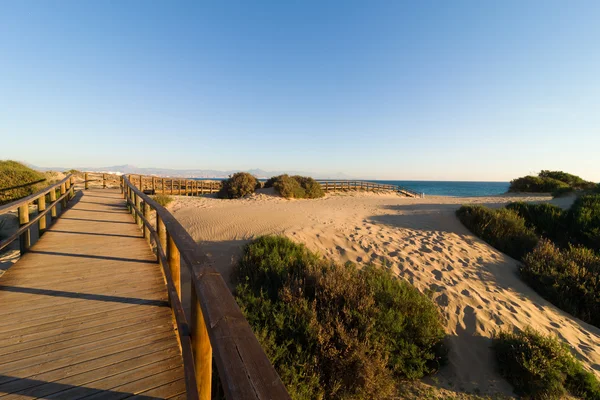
(449, 188)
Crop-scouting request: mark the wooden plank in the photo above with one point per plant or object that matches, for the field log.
(88, 307)
(51, 382)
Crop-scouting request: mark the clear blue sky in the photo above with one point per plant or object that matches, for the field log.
(453, 90)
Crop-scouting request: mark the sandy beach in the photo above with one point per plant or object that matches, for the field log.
(476, 287)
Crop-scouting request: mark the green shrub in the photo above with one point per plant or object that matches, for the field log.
(574, 181)
(584, 221)
(535, 184)
(162, 199)
(541, 367)
(556, 182)
(18, 181)
(334, 331)
(311, 187)
(238, 185)
(299, 187)
(504, 229)
(568, 278)
(547, 220)
(271, 181)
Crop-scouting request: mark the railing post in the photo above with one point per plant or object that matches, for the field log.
(63, 190)
(146, 215)
(122, 184)
(138, 203)
(41, 203)
(68, 189)
(103, 181)
(164, 188)
(174, 263)
(201, 348)
(52, 200)
(161, 230)
(86, 183)
(153, 185)
(25, 238)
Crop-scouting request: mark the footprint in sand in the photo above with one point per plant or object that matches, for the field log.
(442, 300)
(438, 274)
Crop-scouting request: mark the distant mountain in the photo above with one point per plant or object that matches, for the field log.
(191, 173)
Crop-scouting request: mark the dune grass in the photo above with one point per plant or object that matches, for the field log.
(18, 181)
(542, 367)
(162, 199)
(504, 229)
(334, 331)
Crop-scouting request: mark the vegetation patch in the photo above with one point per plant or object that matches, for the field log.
(545, 219)
(555, 182)
(162, 199)
(568, 278)
(334, 331)
(584, 221)
(542, 367)
(504, 229)
(298, 187)
(18, 181)
(238, 185)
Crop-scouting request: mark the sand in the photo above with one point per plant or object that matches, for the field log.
(476, 287)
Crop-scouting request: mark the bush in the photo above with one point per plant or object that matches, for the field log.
(238, 185)
(556, 182)
(584, 221)
(18, 181)
(271, 181)
(162, 199)
(542, 367)
(504, 229)
(311, 187)
(334, 331)
(572, 180)
(299, 187)
(568, 278)
(535, 184)
(547, 220)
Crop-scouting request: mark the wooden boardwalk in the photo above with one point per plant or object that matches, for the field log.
(84, 313)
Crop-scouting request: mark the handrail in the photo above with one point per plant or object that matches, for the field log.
(327, 184)
(217, 326)
(32, 197)
(67, 192)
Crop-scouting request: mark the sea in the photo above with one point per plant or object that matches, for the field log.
(450, 188)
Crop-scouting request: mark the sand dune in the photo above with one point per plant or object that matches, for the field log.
(477, 287)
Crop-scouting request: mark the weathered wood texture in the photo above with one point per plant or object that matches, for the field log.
(217, 329)
(85, 312)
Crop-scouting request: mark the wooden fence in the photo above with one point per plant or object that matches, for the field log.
(47, 201)
(334, 186)
(175, 186)
(217, 328)
(191, 187)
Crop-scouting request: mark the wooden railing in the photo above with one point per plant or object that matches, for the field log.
(175, 186)
(333, 186)
(216, 327)
(47, 201)
(191, 187)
